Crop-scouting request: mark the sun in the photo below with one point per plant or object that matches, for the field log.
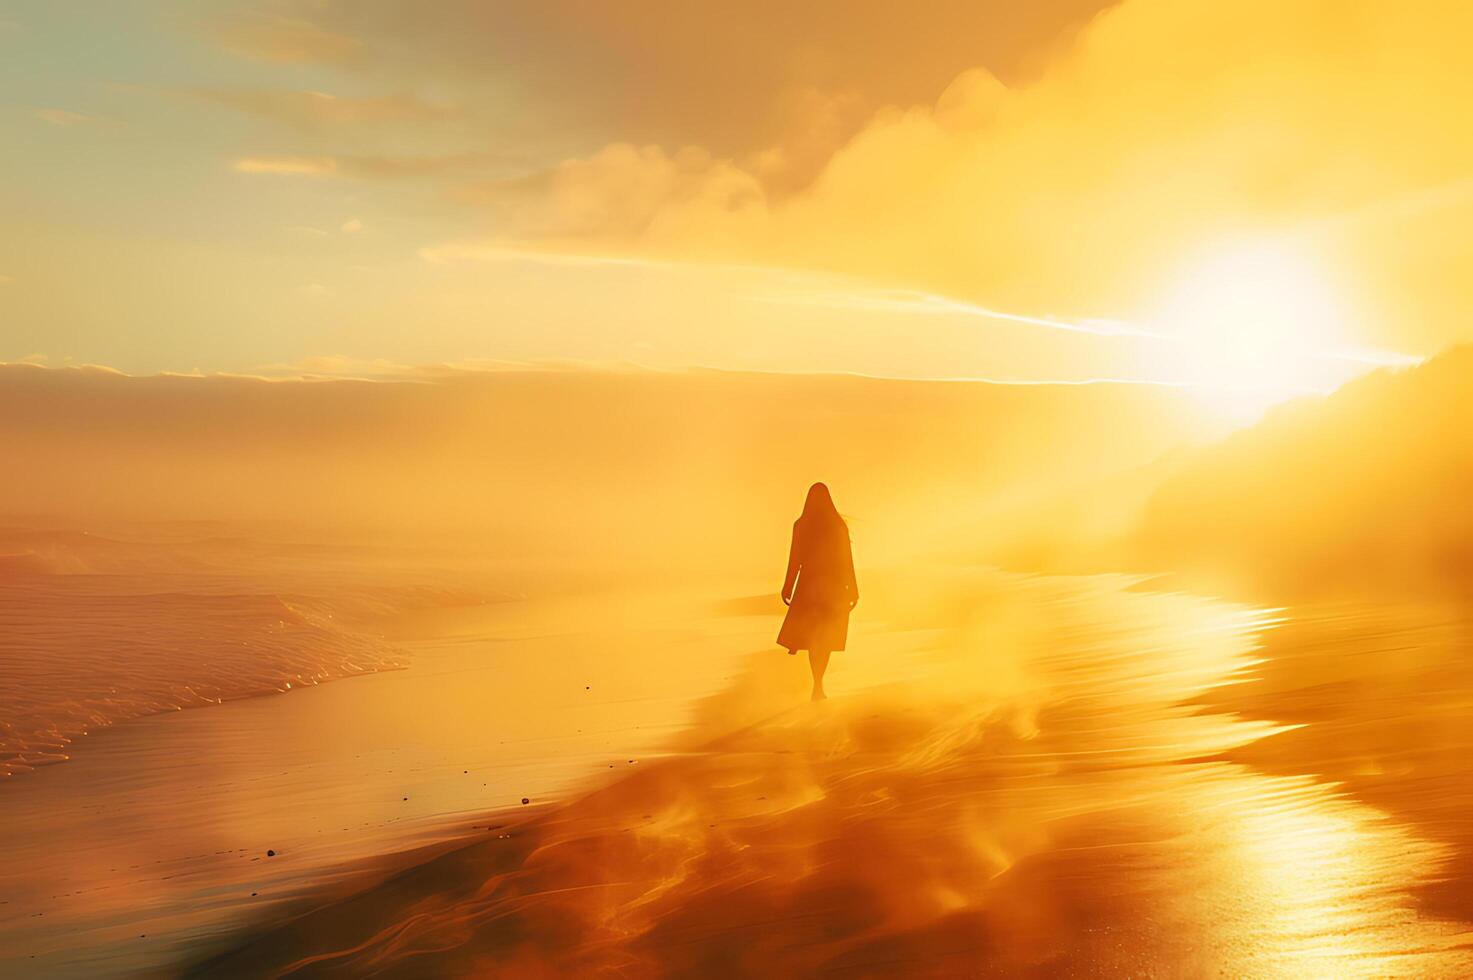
(1250, 323)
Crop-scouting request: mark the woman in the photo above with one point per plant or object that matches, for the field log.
(819, 589)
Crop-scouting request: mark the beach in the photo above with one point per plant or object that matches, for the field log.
(1084, 777)
(301, 625)
(1045, 775)
(155, 834)
(519, 709)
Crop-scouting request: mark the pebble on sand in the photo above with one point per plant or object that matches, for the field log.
(271, 854)
(525, 801)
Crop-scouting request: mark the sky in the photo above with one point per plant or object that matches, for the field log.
(1270, 196)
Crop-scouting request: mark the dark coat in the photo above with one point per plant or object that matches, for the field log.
(821, 581)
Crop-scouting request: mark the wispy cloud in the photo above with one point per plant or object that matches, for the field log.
(289, 166)
(474, 251)
(339, 366)
(1375, 358)
(286, 39)
(312, 111)
(917, 302)
(63, 118)
(343, 366)
(796, 287)
(352, 226)
(365, 166)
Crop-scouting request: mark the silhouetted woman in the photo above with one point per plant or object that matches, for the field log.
(819, 588)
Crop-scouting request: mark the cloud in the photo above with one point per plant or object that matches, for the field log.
(1018, 340)
(1170, 124)
(788, 82)
(313, 111)
(352, 226)
(63, 118)
(280, 38)
(340, 366)
(347, 367)
(913, 301)
(290, 166)
(622, 193)
(385, 166)
(495, 251)
(368, 166)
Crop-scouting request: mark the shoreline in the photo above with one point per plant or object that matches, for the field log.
(103, 728)
(995, 828)
(170, 847)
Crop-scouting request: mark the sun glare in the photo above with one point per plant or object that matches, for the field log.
(1250, 323)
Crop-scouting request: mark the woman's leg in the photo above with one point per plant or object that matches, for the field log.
(819, 661)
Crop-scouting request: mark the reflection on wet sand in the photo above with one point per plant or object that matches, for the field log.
(1382, 703)
(1038, 786)
(149, 844)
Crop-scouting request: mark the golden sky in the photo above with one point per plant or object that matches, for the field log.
(1264, 194)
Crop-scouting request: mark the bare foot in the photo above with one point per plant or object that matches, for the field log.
(792, 653)
(818, 695)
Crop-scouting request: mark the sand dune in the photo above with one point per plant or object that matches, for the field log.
(1365, 491)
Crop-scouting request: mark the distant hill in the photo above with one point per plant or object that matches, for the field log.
(1369, 489)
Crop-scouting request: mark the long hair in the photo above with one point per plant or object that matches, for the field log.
(820, 516)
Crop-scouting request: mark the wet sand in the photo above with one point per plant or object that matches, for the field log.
(1051, 776)
(149, 844)
(1069, 778)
